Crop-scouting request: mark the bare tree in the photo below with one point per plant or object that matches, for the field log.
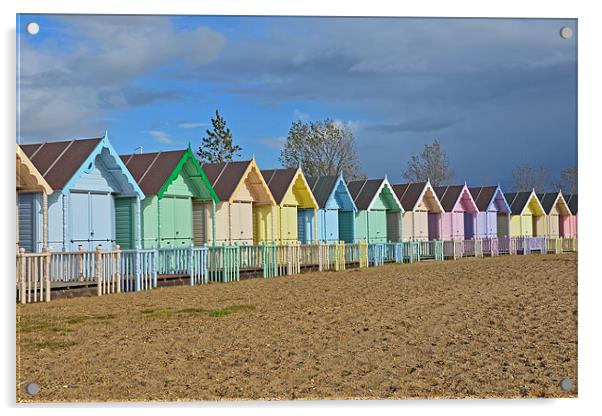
(432, 164)
(526, 178)
(568, 181)
(322, 148)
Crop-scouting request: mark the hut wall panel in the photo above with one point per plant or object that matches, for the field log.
(527, 226)
(361, 226)
(393, 220)
(27, 221)
(469, 226)
(515, 226)
(347, 226)
(167, 225)
(288, 223)
(102, 209)
(503, 222)
(183, 221)
(491, 225)
(305, 224)
(181, 186)
(553, 226)
(263, 223)
(55, 221)
(446, 219)
(377, 226)
(457, 225)
(564, 227)
(244, 192)
(539, 225)
(125, 222)
(434, 224)
(97, 179)
(242, 222)
(421, 225)
(408, 226)
(328, 225)
(222, 223)
(200, 211)
(150, 218)
(482, 224)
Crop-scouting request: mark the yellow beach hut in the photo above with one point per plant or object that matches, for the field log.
(557, 214)
(296, 218)
(527, 217)
(32, 197)
(244, 213)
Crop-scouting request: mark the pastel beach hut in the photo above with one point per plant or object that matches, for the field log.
(460, 212)
(89, 180)
(493, 216)
(558, 214)
(296, 213)
(336, 213)
(32, 205)
(179, 202)
(571, 200)
(527, 217)
(422, 211)
(246, 207)
(378, 217)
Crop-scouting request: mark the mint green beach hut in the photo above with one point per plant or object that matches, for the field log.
(179, 202)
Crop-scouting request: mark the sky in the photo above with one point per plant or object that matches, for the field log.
(497, 93)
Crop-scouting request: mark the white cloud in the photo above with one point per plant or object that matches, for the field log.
(192, 125)
(89, 69)
(273, 142)
(160, 136)
(300, 115)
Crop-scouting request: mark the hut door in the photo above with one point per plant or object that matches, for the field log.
(331, 224)
(183, 221)
(27, 221)
(346, 219)
(393, 226)
(305, 225)
(124, 222)
(199, 223)
(377, 226)
(166, 221)
(469, 226)
(79, 212)
(101, 221)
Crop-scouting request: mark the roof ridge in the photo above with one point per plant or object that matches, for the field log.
(58, 157)
(149, 167)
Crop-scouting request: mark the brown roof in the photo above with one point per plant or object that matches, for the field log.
(482, 196)
(225, 176)
(364, 191)
(57, 162)
(278, 181)
(448, 195)
(408, 194)
(152, 170)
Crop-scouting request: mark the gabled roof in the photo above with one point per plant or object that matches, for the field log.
(518, 201)
(364, 192)
(571, 201)
(59, 161)
(324, 188)
(549, 199)
(62, 163)
(410, 194)
(280, 181)
(155, 171)
(449, 196)
(28, 176)
(484, 195)
(227, 177)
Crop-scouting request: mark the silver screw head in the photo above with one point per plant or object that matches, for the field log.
(32, 28)
(566, 384)
(32, 389)
(566, 32)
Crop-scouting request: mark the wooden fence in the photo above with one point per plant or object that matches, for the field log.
(490, 247)
(33, 276)
(472, 248)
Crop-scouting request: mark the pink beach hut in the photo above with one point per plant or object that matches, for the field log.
(571, 201)
(460, 212)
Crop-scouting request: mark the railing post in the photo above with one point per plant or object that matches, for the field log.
(81, 262)
(118, 267)
(190, 265)
(47, 272)
(21, 278)
(97, 274)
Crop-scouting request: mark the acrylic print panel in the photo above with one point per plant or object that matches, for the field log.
(166, 317)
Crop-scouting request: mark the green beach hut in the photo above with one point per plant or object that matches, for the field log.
(378, 217)
(179, 202)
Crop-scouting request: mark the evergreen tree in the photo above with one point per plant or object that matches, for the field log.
(217, 146)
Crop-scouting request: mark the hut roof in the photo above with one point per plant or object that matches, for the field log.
(482, 196)
(518, 201)
(152, 170)
(28, 176)
(322, 187)
(58, 162)
(225, 176)
(571, 201)
(549, 199)
(409, 194)
(448, 195)
(279, 181)
(363, 192)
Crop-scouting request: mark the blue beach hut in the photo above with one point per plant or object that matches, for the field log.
(336, 209)
(88, 178)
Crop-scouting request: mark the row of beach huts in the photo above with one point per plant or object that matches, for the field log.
(91, 218)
